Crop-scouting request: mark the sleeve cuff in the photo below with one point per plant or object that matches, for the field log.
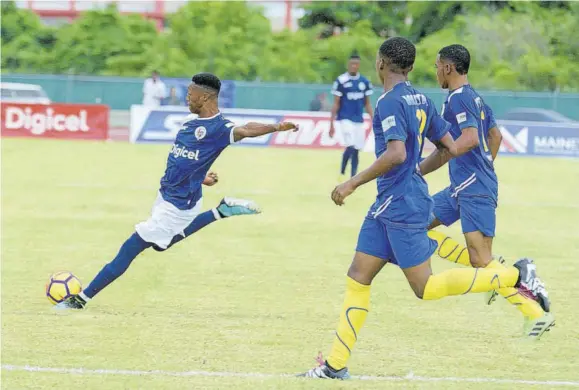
(395, 137)
(465, 125)
(337, 93)
(369, 92)
(232, 136)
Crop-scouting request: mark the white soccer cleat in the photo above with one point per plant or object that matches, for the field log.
(229, 207)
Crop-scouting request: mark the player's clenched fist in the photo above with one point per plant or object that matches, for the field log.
(211, 179)
(342, 191)
(285, 126)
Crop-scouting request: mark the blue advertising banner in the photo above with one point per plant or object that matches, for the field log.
(226, 96)
(540, 138)
(519, 138)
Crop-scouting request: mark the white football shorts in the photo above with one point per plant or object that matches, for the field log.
(353, 133)
(166, 221)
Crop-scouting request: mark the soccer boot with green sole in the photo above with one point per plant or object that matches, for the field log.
(229, 207)
(533, 329)
(325, 371)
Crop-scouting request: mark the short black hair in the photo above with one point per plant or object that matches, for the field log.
(458, 55)
(207, 80)
(399, 54)
(354, 56)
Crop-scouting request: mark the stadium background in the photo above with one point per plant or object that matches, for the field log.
(68, 204)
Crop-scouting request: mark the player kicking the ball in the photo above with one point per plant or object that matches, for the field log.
(473, 193)
(175, 214)
(395, 228)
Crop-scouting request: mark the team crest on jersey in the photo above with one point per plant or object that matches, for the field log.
(362, 86)
(200, 132)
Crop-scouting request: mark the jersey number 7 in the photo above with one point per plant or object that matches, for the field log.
(421, 115)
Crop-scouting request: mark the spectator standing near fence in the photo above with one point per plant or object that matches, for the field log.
(154, 90)
(319, 103)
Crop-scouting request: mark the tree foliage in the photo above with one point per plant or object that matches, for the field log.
(514, 45)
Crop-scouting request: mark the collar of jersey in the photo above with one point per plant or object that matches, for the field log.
(406, 83)
(467, 85)
(211, 117)
(354, 77)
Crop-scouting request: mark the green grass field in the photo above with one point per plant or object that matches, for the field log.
(261, 294)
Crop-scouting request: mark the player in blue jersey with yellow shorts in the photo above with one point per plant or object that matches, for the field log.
(176, 210)
(472, 196)
(395, 228)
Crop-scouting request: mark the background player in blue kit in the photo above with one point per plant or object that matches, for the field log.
(395, 228)
(175, 213)
(472, 195)
(351, 93)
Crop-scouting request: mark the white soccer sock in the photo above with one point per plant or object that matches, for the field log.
(216, 213)
(83, 296)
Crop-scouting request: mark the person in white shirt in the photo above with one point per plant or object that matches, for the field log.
(154, 90)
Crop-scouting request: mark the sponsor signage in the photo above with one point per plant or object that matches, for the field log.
(160, 125)
(68, 121)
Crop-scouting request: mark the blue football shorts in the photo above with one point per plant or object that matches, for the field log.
(476, 213)
(403, 246)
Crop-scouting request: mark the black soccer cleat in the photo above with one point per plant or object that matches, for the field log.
(75, 302)
(530, 285)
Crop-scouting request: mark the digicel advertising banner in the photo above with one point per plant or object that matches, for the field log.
(61, 121)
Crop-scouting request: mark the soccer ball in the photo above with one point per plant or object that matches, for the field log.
(61, 286)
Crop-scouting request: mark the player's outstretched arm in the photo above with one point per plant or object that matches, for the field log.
(254, 129)
(495, 139)
(394, 155)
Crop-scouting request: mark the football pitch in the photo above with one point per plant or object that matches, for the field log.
(249, 300)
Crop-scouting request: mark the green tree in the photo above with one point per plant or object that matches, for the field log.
(386, 18)
(227, 38)
(97, 37)
(25, 41)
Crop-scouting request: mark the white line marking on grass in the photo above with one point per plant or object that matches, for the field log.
(410, 377)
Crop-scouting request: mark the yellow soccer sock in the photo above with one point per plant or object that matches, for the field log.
(352, 318)
(464, 280)
(449, 249)
(528, 307)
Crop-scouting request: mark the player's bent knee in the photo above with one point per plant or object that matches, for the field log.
(418, 290)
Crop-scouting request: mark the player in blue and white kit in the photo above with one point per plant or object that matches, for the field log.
(351, 93)
(395, 228)
(176, 211)
(472, 195)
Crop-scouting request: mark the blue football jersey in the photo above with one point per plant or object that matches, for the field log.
(405, 114)
(197, 146)
(473, 173)
(352, 91)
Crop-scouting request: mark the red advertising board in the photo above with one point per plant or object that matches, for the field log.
(62, 121)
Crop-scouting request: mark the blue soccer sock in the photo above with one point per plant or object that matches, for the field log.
(128, 252)
(198, 223)
(355, 160)
(345, 158)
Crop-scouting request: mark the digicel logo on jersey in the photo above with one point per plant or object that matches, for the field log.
(55, 121)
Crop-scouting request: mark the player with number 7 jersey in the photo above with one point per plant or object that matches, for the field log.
(406, 115)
